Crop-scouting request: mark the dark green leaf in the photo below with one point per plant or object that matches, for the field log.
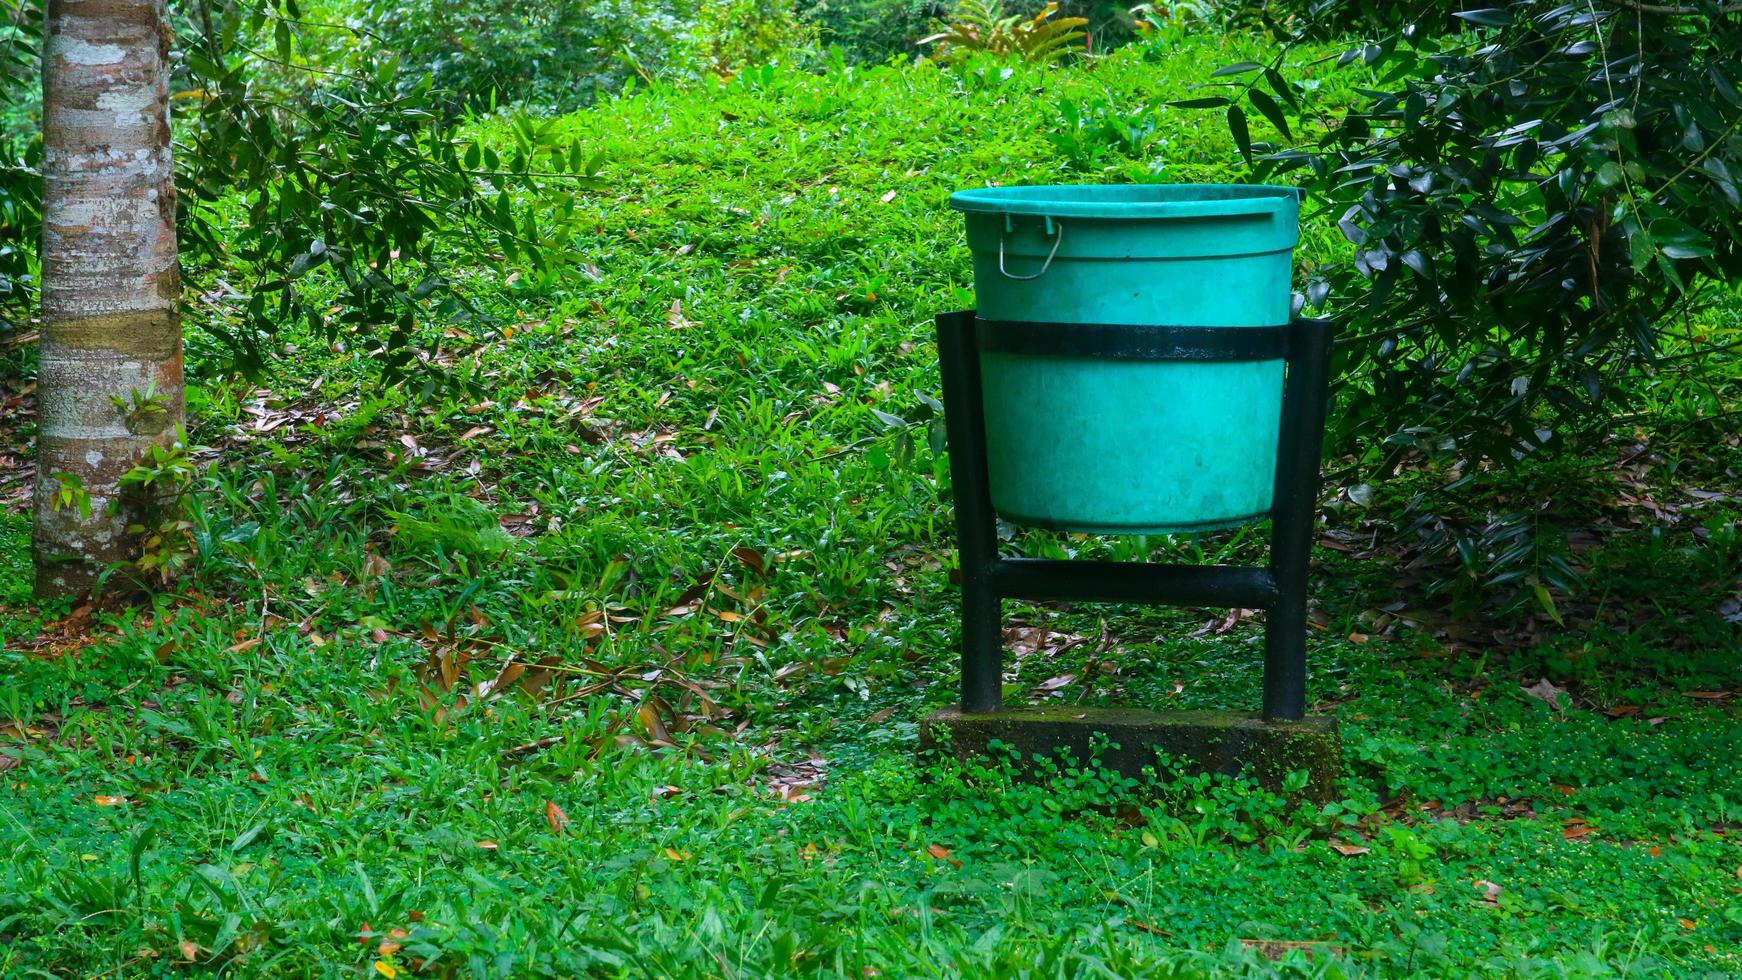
(1209, 102)
(1242, 137)
(1487, 17)
(1267, 107)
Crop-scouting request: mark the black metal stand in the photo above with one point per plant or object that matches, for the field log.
(1279, 589)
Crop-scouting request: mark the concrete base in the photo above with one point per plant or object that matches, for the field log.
(1216, 741)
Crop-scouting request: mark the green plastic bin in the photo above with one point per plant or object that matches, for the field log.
(1131, 446)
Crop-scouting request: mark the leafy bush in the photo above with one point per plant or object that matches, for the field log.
(1337, 19)
(982, 26)
(331, 206)
(20, 158)
(564, 55)
(1528, 204)
(1087, 136)
(872, 31)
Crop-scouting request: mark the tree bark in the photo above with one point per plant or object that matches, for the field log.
(111, 282)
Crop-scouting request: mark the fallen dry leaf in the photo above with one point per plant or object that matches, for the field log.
(488, 845)
(102, 800)
(750, 557)
(1349, 850)
(1544, 691)
(555, 816)
(190, 950)
(941, 853)
(1276, 949)
(1576, 829)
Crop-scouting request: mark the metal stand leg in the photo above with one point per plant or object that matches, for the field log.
(1292, 515)
(1280, 589)
(976, 528)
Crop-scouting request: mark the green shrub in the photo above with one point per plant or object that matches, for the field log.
(984, 27)
(563, 55)
(873, 31)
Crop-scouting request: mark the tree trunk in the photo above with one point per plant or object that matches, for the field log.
(109, 378)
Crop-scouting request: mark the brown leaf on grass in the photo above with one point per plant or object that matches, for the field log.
(1349, 850)
(1142, 926)
(654, 725)
(540, 676)
(1052, 684)
(1706, 695)
(1576, 829)
(1276, 949)
(882, 715)
(794, 782)
(675, 318)
(103, 800)
(941, 853)
(750, 557)
(1543, 690)
(488, 845)
(555, 816)
(512, 669)
(190, 950)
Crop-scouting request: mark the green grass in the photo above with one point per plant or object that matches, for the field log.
(711, 519)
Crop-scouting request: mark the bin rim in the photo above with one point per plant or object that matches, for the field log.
(1129, 202)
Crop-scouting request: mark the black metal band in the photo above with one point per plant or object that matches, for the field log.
(1136, 342)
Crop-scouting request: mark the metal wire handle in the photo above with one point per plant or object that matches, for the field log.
(1058, 236)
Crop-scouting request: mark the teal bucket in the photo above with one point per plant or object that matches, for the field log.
(1119, 445)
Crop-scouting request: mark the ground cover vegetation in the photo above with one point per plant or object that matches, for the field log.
(576, 616)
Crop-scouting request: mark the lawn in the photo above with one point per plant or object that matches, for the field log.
(604, 650)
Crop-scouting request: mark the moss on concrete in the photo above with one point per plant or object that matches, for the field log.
(1217, 741)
